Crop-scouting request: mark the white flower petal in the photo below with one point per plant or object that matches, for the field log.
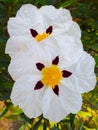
(25, 63)
(71, 101)
(60, 19)
(24, 95)
(50, 14)
(70, 49)
(16, 44)
(20, 65)
(74, 30)
(27, 10)
(83, 78)
(27, 17)
(52, 107)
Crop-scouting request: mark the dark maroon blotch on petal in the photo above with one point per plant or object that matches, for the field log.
(34, 33)
(40, 66)
(66, 73)
(49, 30)
(38, 85)
(56, 90)
(55, 61)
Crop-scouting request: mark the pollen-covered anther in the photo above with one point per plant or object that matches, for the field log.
(51, 76)
(42, 36)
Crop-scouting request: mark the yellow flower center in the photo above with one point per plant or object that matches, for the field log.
(51, 76)
(40, 37)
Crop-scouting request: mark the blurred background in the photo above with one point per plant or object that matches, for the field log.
(85, 13)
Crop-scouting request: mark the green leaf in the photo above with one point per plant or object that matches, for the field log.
(50, 2)
(44, 126)
(26, 119)
(37, 124)
(86, 11)
(5, 90)
(14, 117)
(67, 3)
(72, 117)
(81, 126)
(42, 2)
(4, 112)
(3, 40)
(55, 128)
(15, 110)
(22, 127)
(96, 60)
(7, 1)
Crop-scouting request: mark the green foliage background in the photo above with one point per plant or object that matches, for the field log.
(85, 12)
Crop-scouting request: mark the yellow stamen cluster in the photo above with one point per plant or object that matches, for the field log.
(40, 37)
(51, 76)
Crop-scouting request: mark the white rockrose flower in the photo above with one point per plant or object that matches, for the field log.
(46, 27)
(48, 86)
(48, 64)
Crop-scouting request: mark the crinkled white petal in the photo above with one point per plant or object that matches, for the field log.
(27, 17)
(83, 78)
(27, 10)
(70, 48)
(55, 108)
(25, 63)
(70, 100)
(24, 96)
(65, 45)
(52, 108)
(74, 30)
(50, 12)
(20, 65)
(60, 19)
(16, 44)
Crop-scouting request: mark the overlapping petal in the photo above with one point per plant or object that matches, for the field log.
(83, 76)
(82, 69)
(55, 108)
(44, 101)
(25, 97)
(25, 63)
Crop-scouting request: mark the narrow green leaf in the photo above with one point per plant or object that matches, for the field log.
(81, 126)
(7, 1)
(50, 2)
(55, 128)
(44, 126)
(68, 3)
(5, 89)
(22, 127)
(3, 40)
(4, 112)
(86, 11)
(42, 2)
(96, 60)
(14, 117)
(37, 124)
(72, 117)
(26, 119)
